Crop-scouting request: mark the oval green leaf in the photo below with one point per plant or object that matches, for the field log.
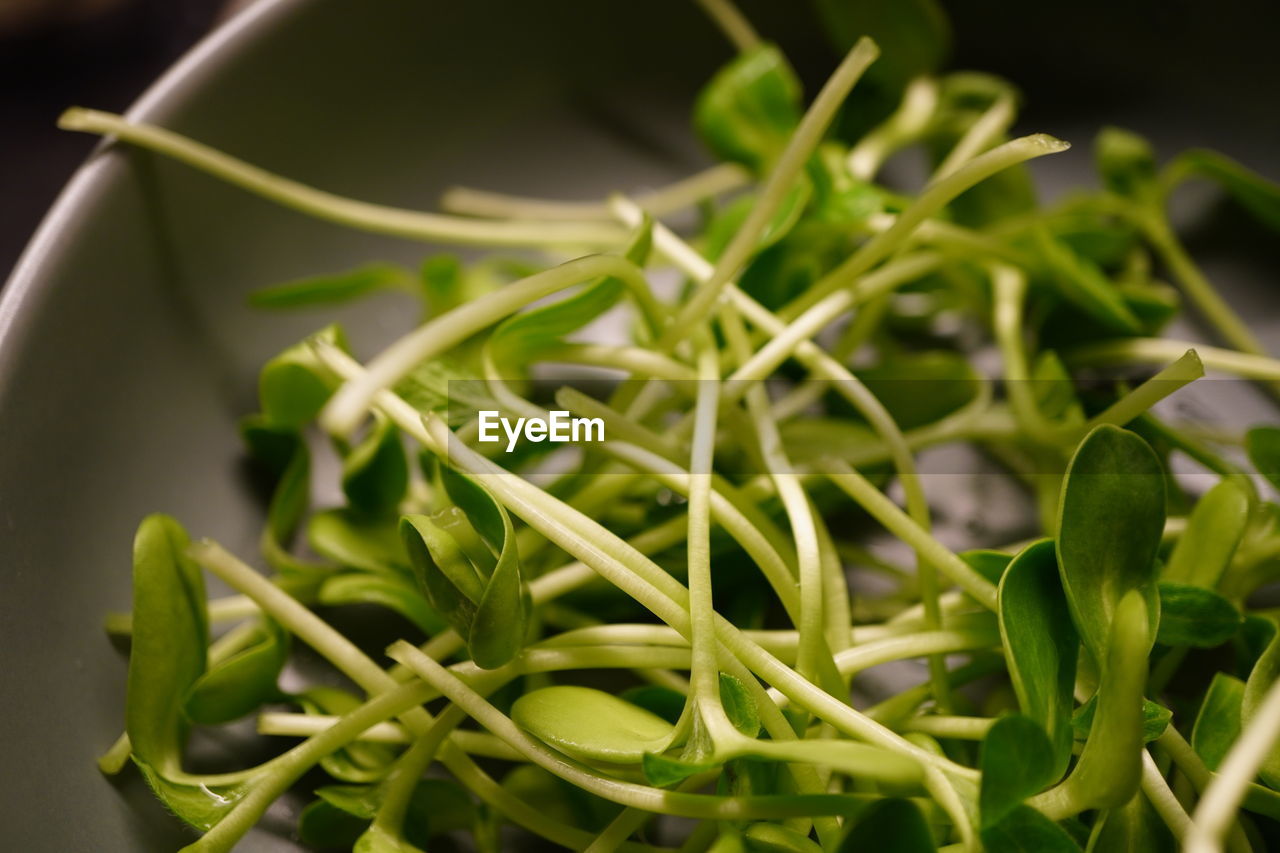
(590, 724)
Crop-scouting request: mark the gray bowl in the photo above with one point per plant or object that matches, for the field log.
(127, 351)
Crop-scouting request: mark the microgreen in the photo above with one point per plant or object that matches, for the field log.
(674, 624)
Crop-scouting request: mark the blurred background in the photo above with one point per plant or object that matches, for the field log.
(1183, 72)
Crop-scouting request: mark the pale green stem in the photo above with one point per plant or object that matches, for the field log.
(794, 502)
(710, 182)
(794, 340)
(1009, 285)
(704, 675)
(1163, 800)
(282, 724)
(309, 628)
(935, 196)
(1164, 350)
(440, 334)
(625, 793)
(287, 768)
(779, 182)
(908, 530)
(399, 784)
(636, 360)
(989, 127)
(736, 28)
(1220, 801)
(1207, 300)
(626, 568)
(377, 218)
(904, 126)
(1184, 371)
(958, 728)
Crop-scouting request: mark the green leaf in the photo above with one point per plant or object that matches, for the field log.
(663, 701)
(323, 826)
(750, 108)
(356, 800)
(191, 798)
(889, 825)
(482, 598)
(1155, 719)
(590, 724)
(358, 541)
(1255, 193)
(241, 683)
(739, 706)
(1195, 616)
(1214, 529)
(524, 334)
(558, 799)
(990, 564)
(922, 388)
(1110, 765)
(294, 386)
(914, 37)
(1263, 445)
(1218, 724)
(1256, 687)
(1018, 761)
(1054, 391)
(1111, 518)
(170, 642)
(389, 591)
(1126, 162)
(775, 838)
(663, 771)
(772, 243)
(332, 289)
(1041, 644)
(1026, 830)
(375, 474)
(1082, 283)
(1133, 828)
(358, 762)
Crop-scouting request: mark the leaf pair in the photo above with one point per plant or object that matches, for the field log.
(749, 109)
(1018, 761)
(527, 333)
(170, 682)
(466, 560)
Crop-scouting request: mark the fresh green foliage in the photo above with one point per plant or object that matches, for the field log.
(1254, 192)
(467, 561)
(1109, 527)
(750, 108)
(240, 683)
(1195, 616)
(591, 724)
(894, 825)
(661, 635)
(1042, 644)
(332, 289)
(1263, 444)
(1017, 761)
(1213, 533)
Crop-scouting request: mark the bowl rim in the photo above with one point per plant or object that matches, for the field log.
(22, 291)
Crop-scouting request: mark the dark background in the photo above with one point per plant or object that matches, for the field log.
(1186, 73)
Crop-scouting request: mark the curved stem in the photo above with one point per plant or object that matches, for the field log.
(378, 218)
(1216, 810)
(776, 186)
(442, 333)
(684, 193)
